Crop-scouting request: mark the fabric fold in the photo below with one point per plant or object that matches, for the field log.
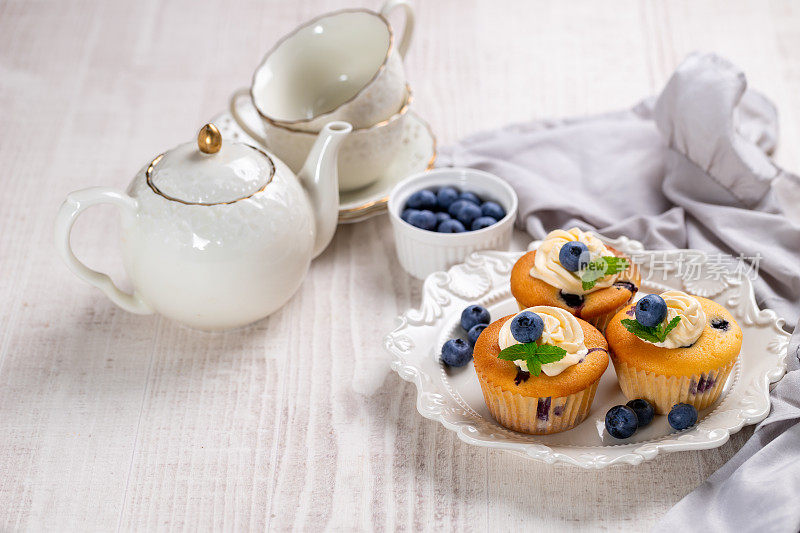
(688, 169)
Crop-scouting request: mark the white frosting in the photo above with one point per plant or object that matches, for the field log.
(693, 319)
(561, 329)
(548, 268)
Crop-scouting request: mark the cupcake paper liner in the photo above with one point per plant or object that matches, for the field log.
(537, 416)
(602, 321)
(699, 390)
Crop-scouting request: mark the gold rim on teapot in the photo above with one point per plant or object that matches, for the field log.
(209, 142)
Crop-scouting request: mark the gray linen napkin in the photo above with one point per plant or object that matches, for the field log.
(757, 489)
(690, 169)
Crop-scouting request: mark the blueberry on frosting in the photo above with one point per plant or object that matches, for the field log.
(527, 327)
(570, 255)
(651, 310)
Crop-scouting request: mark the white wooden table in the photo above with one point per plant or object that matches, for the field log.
(115, 421)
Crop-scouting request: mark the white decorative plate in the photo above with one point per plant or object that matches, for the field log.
(416, 153)
(453, 396)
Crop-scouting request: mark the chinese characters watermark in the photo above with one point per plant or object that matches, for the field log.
(695, 265)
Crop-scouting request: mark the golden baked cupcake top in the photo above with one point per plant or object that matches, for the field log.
(540, 371)
(683, 321)
(575, 271)
(560, 330)
(576, 262)
(693, 335)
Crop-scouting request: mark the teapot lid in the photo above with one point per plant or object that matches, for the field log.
(210, 172)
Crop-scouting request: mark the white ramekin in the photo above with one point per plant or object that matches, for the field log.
(423, 252)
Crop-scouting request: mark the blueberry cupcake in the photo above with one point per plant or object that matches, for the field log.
(539, 369)
(574, 270)
(674, 348)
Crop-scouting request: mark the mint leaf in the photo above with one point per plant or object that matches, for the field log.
(669, 327)
(534, 366)
(534, 355)
(643, 332)
(550, 354)
(651, 333)
(514, 352)
(605, 266)
(615, 264)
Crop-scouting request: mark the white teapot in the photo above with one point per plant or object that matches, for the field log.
(216, 234)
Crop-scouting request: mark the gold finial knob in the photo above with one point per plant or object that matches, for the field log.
(209, 139)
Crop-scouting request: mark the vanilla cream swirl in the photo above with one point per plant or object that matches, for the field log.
(548, 268)
(561, 329)
(693, 319)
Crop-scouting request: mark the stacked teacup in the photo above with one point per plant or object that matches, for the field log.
(345, 66)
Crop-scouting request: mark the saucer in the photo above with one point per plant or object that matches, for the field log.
(416, 153)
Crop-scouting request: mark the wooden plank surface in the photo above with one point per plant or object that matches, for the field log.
(113, 421)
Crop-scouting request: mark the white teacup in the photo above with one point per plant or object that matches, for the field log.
(364, 154)
(339, 66)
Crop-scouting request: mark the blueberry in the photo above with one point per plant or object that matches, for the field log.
(451, 226)
(441, 217)
(682, 416)
(407, 213)
(492, 209)
(468, 213)
(446, 196)
(572, 300)
(644, 411)
(423, 220)
(483, 222)
(473, 315)
(475, 332)
(720, 324)
(527, 327)
(651, 310)
(456, 352)
(470, 197)
(621, 422)
(456, 207)
(570, 255)
(423, 199)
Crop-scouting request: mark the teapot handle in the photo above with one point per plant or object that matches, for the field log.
(408, 28)
(73, 206)
(234, 109)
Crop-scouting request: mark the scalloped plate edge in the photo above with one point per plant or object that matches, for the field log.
(430, 404)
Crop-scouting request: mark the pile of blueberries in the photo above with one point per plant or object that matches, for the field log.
(446, 210)
(458, 352)
(622, 421)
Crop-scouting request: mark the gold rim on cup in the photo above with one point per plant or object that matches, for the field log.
(376, 205)
(286, 124)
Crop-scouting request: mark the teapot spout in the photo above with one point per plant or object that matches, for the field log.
(320, 177)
